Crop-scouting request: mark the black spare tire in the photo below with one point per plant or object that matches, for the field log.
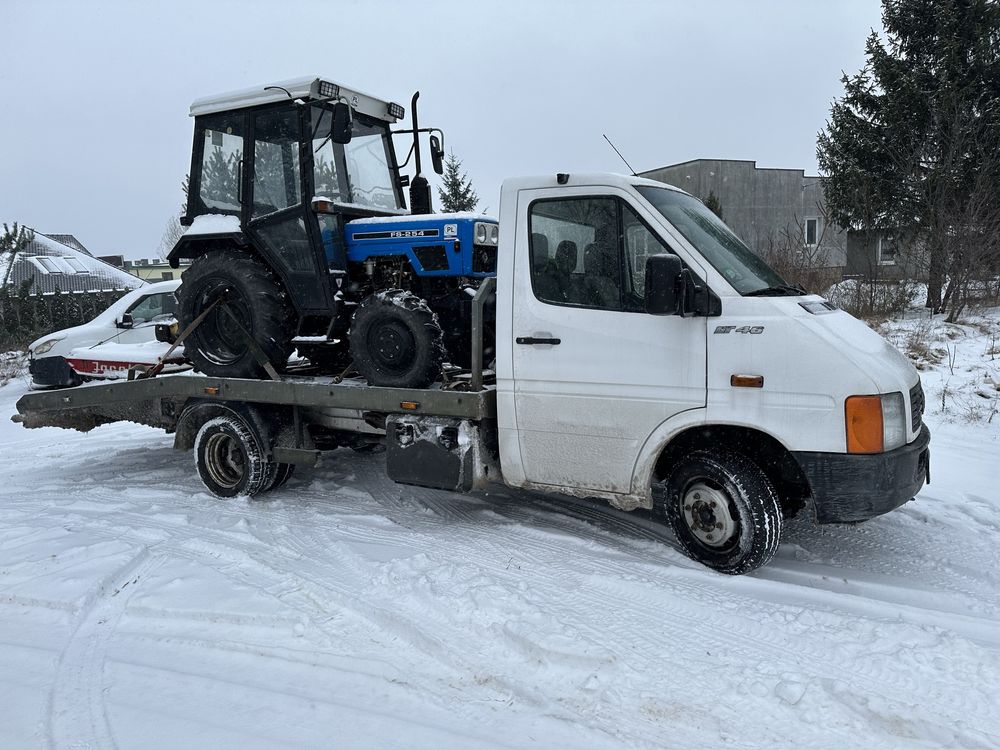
(256, 305)
(396, 340)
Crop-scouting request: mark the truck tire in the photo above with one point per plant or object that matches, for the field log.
(254, 295)
(230, 459)
(279, 474)
(396, 340)
(723, 509)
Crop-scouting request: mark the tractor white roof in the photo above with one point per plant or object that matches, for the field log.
(299, 88)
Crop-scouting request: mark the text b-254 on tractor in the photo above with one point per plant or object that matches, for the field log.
(300, 238)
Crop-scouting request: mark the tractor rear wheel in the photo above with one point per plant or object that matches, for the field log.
(251, 302)
(396, 340)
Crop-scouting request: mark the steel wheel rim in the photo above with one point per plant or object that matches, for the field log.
(708, 516)
(392, 346)
(224, 460)
(224, 342)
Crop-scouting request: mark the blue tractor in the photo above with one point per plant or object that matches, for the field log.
(300, 238)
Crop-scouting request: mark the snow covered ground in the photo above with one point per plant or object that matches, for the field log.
(346, 611)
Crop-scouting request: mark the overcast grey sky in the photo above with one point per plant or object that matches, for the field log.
(95, 137)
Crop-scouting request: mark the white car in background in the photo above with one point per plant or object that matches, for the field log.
(118, 339)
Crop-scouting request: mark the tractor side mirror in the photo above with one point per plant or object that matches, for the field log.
(663, 284)
(437, 154)
(342, 127)
(127, 321)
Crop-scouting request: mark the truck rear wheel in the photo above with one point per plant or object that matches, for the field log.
(396, 340)
(723, 509)
(230, 459)
(259, 308)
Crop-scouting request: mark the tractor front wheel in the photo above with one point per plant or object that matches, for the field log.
(396, 340)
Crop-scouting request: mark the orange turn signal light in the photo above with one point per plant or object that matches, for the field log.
(863, 419)
(409, 405)
(746, 381)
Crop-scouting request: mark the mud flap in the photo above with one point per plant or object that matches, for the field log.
(445, 454)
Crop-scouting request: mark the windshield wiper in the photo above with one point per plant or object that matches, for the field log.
(779, 290)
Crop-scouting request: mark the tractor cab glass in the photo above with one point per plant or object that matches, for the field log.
(217, 175)
(360, 172)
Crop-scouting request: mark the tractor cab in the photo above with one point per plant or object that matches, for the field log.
(287, 177)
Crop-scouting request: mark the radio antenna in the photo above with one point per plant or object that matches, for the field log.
(620, 156)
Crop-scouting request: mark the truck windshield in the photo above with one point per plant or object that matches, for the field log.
(359, 172)
(726, 252)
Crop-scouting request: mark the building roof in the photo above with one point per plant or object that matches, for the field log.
(54, 266)
(67, 239)
(751, 162)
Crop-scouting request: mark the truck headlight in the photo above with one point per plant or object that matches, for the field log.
(875, 423)
(893, 421)
(481, 234)
(46, 346)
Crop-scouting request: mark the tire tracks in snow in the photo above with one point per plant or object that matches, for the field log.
(77, 715)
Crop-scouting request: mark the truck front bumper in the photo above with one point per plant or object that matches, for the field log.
(848, 488)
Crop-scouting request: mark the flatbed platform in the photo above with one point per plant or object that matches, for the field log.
(157, 401)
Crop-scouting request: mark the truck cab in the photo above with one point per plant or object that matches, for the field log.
(612, 375)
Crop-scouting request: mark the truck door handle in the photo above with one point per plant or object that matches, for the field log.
(531, 341)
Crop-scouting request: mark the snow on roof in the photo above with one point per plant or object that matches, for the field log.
(53, 266)
(67, 239)
(295, 88)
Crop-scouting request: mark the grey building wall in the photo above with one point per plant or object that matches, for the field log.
(764, 207)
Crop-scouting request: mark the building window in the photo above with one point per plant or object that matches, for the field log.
(53, 264)
(888, 249)
(811, 230)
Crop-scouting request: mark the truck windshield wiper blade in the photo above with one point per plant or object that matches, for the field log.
(780, 290)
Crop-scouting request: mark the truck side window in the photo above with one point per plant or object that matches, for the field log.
(575, 252)
(222, 153)
(640, 243)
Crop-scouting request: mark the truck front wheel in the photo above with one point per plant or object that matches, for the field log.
(251, 303)
(723, 509)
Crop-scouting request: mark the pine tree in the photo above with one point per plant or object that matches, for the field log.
(457, 193)
(713, 204)
(906, 140)
(12, 241)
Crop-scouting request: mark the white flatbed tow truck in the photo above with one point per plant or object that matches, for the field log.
(644, 356)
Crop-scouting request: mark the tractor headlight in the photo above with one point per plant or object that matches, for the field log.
(46, 346)
(487, 234)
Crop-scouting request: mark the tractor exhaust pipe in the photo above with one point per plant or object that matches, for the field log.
(420, 189)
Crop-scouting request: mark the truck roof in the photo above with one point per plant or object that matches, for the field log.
(307, 87)
(583, 179)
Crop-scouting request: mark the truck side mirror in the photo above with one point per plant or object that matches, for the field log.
(437, 154)
(342, 128)
(663, 284)
(127, 321)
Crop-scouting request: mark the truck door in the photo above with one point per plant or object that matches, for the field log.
(594, 374)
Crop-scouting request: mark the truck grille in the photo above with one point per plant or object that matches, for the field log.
(916, 406)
